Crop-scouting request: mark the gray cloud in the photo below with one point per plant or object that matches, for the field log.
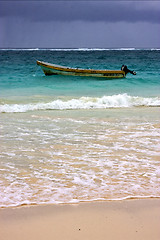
(56, 24)
(115, 11)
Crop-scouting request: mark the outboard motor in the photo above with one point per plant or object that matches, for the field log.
(126, 70)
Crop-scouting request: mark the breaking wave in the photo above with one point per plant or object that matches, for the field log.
(79, 49)
(114, 101)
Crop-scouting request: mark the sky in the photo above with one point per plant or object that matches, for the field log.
(79, 24)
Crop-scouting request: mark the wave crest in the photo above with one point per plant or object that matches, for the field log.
(79, 49)
(114, 101)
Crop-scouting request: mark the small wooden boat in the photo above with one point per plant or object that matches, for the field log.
(53, 69)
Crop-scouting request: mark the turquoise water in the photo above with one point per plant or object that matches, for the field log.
(20, 77)
(72, 139)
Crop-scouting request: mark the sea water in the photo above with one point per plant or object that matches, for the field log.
(67, 139)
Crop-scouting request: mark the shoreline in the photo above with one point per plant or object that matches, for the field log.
(130, 198)
(124, 219)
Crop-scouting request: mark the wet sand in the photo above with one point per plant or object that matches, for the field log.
(129, 219)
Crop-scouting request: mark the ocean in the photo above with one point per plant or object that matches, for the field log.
(67, 139)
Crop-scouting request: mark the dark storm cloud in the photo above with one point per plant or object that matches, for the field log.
(82, 10)
(56, 24)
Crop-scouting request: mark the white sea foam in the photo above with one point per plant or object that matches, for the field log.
(19, 49)
(69, 159)
(79, 49)
(155, 49)
(114, 101)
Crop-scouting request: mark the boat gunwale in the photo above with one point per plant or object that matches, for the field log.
(78, 70)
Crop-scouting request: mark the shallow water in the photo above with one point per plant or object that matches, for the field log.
(68, 140)
(70, 156)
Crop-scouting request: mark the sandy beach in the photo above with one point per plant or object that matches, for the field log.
(129, 219)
